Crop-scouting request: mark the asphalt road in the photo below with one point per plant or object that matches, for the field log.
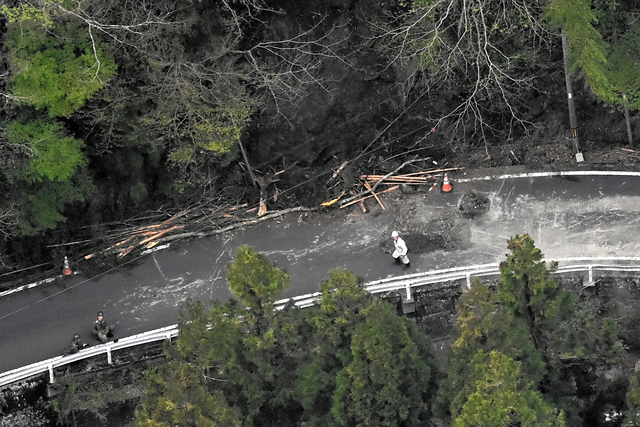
(592, 216)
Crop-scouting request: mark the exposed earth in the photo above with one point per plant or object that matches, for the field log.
(362, 117)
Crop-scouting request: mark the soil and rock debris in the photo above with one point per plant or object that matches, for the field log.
(360, 116)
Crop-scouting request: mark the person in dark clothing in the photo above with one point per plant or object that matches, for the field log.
(101, 328)
(76, 345)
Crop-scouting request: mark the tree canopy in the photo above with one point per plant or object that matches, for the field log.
(156, 99)
(517, 345)
(351, 361)
(56, 68)
(498, 396)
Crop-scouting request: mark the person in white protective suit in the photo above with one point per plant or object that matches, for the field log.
(400, 254)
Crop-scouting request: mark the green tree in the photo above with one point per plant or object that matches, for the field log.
(47, 172)
(498, 396)
(632, 414)
(41, 203)
(180, 101)
(255, 281)
(52, 155)
(588, 51)
(527, 290)
(389, 379)
(56, 68)
(302, 365)
(250, 353)
(342, 300)
(367, 364)
(564, 333)
(624, 69)
(528, 318)
(483, 325)
(177, 395)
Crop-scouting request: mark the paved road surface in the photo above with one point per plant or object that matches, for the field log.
(573, 216)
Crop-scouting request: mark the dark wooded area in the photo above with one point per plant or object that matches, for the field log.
(120, 116)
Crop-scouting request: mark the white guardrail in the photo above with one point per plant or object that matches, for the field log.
(384, 285)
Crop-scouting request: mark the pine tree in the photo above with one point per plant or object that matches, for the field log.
(498, 396)
(177, 395)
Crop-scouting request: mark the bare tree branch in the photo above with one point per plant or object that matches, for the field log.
(483, 47)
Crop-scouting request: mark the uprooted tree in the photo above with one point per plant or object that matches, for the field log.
(489, 50)
(496, 54)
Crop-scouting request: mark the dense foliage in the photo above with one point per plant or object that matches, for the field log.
(351, 361)
(111, 108)
(519, 346)
(525, 353)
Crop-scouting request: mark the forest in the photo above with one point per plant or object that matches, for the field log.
(121, 115)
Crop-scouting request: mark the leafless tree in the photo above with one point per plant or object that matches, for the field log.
(483, 49)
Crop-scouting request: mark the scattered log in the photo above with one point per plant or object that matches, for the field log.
(201, 216)
(408, 162)
(337, 172)
(236, 207)
(366, 184)
(411, 178)
(362, 199)
(632, 153)
(332, 201)
(79, 242)
(126, 251)
(125, 241)
(160, 233)
(236, 225)
(263, 206)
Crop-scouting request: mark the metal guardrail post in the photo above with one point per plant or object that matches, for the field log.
(590, 273)
(469, 281)
(408, 288)
(51, 377)
(109, 361)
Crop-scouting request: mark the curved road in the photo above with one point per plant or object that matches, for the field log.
(575, 215)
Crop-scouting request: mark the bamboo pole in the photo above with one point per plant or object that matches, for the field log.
(408, 162)
(352, 202)
(366, 184)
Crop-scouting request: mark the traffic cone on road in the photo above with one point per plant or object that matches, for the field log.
(66, 270)
(446, 185)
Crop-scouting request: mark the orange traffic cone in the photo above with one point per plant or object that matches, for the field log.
(446, 185)
(66, 270)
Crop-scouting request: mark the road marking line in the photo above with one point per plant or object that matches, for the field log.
(548, 174)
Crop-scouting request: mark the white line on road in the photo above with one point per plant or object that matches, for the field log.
(549, 174)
